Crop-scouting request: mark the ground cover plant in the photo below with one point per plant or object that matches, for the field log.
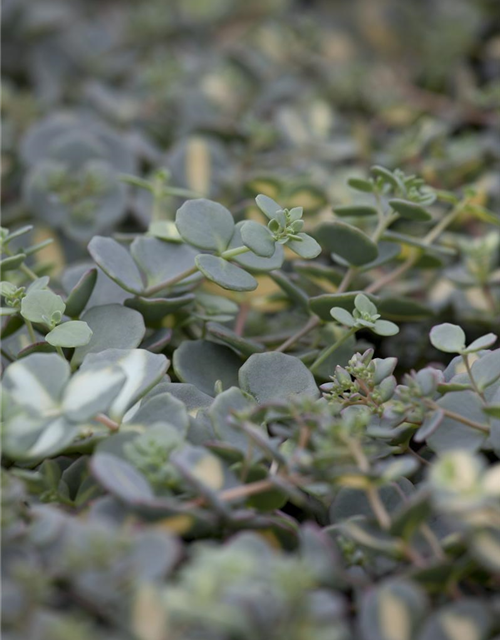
(250, 290)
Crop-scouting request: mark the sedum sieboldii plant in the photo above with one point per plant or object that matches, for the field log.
(250, 306)
(161, 408)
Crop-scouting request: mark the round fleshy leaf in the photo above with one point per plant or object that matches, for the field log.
(306, 247)
(163, 229)
(410, 210)
(205, 224)
(364, 305)
(366, 186)
(355, 210)
(342, 316)
(486, 370)
(392, 610)
(74, 333)
(486, 548)
(27, 438)
(467, 619)
(447, 337)
(268, 206)
(203, 363)
(143, 370)
(429, 425)
(385, 328)
(221, 333)
(348, 242)
(321, 305)
(484, 342)
(387, 176)
(257, 238)
(230, 401)
(80, 293)
(213, 307)
(28, 384)
(160, 260)
(295, 293)
(113, 327)
(120, 478)
(117, 263)
(161, 408)
(154, 310)
(91, 392)
(106, 291)
(40, 305)
(192, 398)
(252, 262)
(201, 468)
(225, 274)
(7, 289)
(268, 376)
(399, 308)
(8, 311)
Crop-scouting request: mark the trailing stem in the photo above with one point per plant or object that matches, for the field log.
(328, 351)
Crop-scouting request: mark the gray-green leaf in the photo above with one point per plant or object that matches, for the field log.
(268, 376)
(40, 305)
(205, 224)
(306, 247)
(348, 242)
(268, 206)
(447, 337)
(410, 210)
(74, 333)
(225, 274)
(113, 327)
(117, 263)
(258, 238)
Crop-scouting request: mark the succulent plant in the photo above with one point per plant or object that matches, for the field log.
(250, 304)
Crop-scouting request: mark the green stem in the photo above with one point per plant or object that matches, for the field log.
(227, 255)
(444, 223)
(384, 223)
(378, 508)
(31, 331)
(411, 260)
(484, 428)
(311, 324)
(231, 253)
(6, 355)
(27, 271)
(61, 352)
(465, 358)
(347, 279)
(106, 421)
(157, 198)
(328, 352)
(171, 281)
(372, 493)
(392, 275)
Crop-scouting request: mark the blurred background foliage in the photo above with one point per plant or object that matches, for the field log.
(282, 97)
(230, 95)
